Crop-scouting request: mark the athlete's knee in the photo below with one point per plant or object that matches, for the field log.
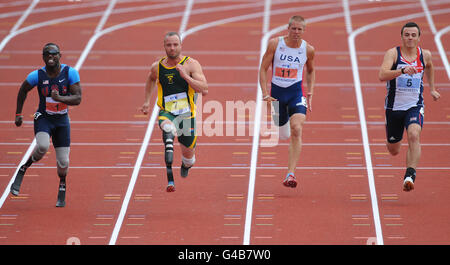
(296, 130)
(62, 156)
(168, 127)
(42, 145)
(62, 160)
(394, 149)
(413, 136)
(188, 162)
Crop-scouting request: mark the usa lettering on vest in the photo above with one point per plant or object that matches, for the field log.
(289, 58)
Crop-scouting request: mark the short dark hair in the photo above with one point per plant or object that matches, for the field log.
(50, 44)
(410, 25)
(172, 33)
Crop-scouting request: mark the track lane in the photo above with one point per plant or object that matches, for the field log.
(216, 195)
(402, 221)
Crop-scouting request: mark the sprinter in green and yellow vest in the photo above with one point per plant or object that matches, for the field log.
(177, 78)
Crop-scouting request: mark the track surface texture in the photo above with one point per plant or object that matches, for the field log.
(350, 187)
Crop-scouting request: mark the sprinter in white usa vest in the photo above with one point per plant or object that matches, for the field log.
(403, 69)
(288, 55)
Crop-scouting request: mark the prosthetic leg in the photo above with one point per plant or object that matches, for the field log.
(42, 145)
(168, 137)
(62, 158)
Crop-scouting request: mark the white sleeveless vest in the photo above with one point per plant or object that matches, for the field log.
(288, 64)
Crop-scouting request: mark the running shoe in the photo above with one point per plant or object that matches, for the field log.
(290, 181)
(170, 187)
(61, 202)
(184, 170)
(408, 183)
(15, 187)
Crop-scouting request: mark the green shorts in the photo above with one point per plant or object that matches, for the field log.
(185, 125)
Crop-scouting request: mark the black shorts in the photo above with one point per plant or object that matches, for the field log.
(399, 120)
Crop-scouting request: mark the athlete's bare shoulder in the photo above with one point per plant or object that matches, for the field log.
(426, 54)
(154, 70)
(310, 51)
(273, 43)
(191, 61)
(192, 65)
(392, 52)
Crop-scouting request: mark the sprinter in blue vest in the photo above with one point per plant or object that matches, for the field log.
(58, 87)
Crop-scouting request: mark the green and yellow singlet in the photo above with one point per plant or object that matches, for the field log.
(175, 95)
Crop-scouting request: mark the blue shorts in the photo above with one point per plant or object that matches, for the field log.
(399, 120)
(290, 101)
(57, 126)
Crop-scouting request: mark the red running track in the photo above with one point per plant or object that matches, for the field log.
(332, 204)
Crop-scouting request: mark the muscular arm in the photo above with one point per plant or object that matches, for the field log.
(429, 72)
(21, 96)
(192, 72)
(386, 73)
(310, 74)
(266, 62)
(73, 99)
(150, 85)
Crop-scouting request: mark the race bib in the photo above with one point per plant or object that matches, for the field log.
(286, 72)
(55, 107)
(177, 103)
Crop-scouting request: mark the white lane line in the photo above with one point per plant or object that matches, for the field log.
(55, 8)
(148, 134)
(203, 52)
(253, 163)
(437, 39)
(357, 82)
(428, 16)
(2, 45)
(27, 153)
(19, 23)
(206, 67)
(443, 145)
(91, 15)
(97, 34)
(227, 85)
(364, 133)
(244, 167)
(256, 133)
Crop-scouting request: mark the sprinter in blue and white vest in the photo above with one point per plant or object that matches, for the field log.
(288, 55)
(403, 68)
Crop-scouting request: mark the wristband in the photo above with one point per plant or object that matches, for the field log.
(266, 97)
(19, 114)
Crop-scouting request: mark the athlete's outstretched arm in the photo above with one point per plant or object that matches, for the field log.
(310, 75)
(429, 72)
(192, 72)
(21, 96)
(266, 62)
(150, 85)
